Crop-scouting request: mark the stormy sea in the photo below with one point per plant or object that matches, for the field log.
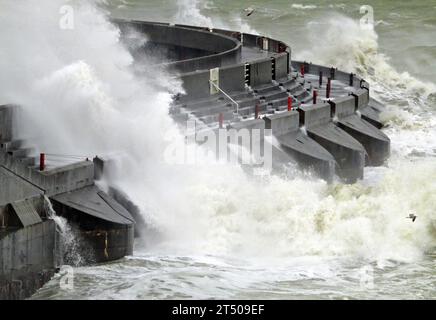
(215, 232)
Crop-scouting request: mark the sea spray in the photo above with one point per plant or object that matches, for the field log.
(190, 12)
(83, 79)
(410, 114)
(311, 240)
(342, 42)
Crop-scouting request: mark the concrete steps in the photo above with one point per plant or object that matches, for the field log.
(293, 87)
(275, 95)
(266, 89)
(342, 147)
(214, 110)
(214, 118)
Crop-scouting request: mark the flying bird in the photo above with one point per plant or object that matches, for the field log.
(249, 11)
(412, 216)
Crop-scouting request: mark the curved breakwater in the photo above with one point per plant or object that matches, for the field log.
(213, 231)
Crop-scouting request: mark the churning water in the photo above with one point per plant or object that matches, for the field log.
(213, 231)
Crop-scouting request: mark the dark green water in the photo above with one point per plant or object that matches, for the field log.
(234, 246)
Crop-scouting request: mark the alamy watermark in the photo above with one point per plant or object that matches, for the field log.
(367, 20)
(66, 279)
(236, 146)
(366, 277)
(66, 20)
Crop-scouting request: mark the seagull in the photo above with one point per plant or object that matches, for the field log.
(249, 11)
(412, 216)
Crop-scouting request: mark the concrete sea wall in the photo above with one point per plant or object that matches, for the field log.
(31, 247)
(28, 259)
(232, 80)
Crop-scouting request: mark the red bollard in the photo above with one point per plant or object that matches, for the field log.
(302, 70)
(42, 162)
(256, 111)
(221, 120)
(315, 94)
(289, 103)
(329, 86)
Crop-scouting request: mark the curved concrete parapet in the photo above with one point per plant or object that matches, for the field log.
(348, 152)
(191, 49)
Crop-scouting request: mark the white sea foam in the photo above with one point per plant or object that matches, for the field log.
(190, 12)
(410, 113)
(79, 97)
(303, 6)
(340, 41)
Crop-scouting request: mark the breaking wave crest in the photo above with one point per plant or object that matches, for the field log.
(410, 112)
(303, 7)
(190, 12)
(79, 96)
(342, 42)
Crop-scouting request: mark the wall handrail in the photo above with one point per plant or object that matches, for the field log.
(229, 97)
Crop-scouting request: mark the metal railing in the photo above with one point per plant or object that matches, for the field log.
(229, 97)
